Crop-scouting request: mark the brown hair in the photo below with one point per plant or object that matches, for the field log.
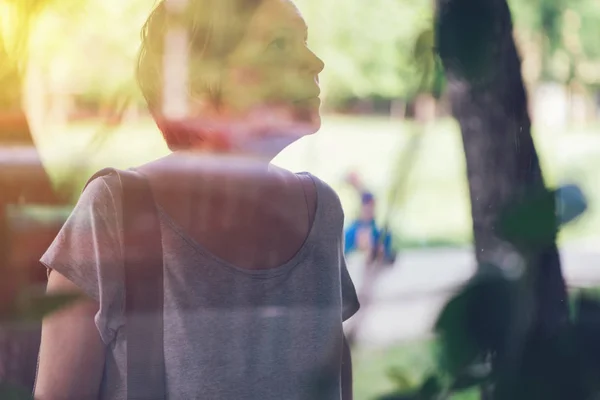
(215, 28)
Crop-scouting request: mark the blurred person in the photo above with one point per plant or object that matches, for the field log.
(255, 283)
(363, 234)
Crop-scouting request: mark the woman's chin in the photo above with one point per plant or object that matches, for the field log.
(272, 143)
(316, 124)
(311, 125)
(307, 127)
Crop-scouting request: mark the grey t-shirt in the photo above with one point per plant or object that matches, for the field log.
(229, 333)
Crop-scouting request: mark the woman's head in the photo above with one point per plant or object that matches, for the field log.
(247, 58)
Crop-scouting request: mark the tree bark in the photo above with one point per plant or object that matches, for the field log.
(489, 101)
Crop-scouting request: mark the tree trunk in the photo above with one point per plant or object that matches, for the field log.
(489, 101)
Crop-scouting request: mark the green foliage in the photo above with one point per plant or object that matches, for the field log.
(559, 29)
(589, 32)
(473, 323)
(30, 307)
(76, 47)
(398, 396)
(565, 366)
(430, 389)
(367, 49)
(400, 368)
(485, 343)
(464, 30)
(18, 18)
(531, 222)
(476, 375)
(428, 62)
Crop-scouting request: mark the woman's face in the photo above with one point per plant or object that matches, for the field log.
(273, 72)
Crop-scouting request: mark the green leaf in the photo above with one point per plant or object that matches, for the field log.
(424, 57)
(465, 30)
(530, 222)
(438, 85)
(399, 396)
(423, 51)
(475, 321)
(474, 376)
(36, 307)
(428, 64)
(401, 379)
(431, 389)
(456, 345)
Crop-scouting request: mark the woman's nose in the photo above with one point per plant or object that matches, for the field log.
(313, 64)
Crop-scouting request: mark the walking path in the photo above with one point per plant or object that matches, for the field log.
(408, 297)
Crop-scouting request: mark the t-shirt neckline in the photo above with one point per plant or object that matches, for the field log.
(258, 273)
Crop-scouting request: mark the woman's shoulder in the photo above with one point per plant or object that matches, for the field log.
(101, 184)
(100, 197)
(323, 187)
(328, 197)
(109, 181)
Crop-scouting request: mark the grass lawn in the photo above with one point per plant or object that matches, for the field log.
(435, 209)
(401, 367)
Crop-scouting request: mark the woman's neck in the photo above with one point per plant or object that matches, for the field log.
(226, 163)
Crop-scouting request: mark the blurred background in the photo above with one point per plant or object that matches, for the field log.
(84, 112)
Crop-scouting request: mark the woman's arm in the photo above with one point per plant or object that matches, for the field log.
(71, 361)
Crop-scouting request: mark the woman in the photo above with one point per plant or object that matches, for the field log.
(255, 284)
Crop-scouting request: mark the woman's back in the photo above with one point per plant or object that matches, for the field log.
(230, 332)
(250, 214)
(255, 284)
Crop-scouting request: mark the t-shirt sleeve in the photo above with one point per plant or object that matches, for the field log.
(350, 304)
(88, 252)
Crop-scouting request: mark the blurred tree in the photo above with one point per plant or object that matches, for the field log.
(488, 99)
(542, 22)
(561, 38)
(367, 53)
(89, 50)
(367, 50)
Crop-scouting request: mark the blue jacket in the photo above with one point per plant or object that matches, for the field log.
(350, 244)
